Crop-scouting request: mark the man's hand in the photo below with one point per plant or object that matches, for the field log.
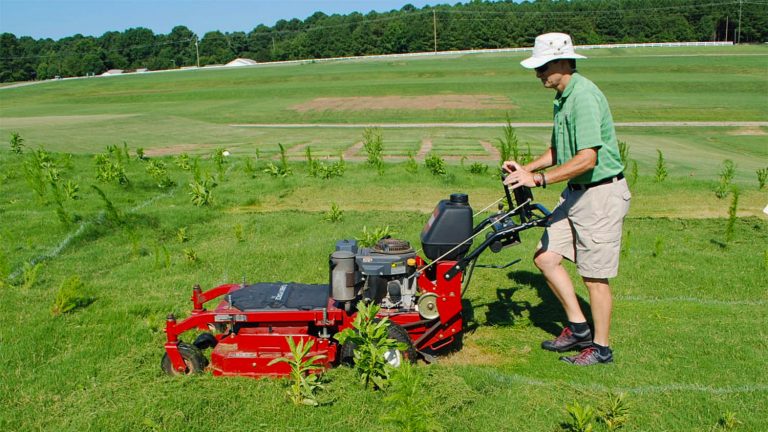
(517, 176)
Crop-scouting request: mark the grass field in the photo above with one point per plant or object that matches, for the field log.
(690, 300)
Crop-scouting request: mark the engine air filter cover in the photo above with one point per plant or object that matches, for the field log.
(392, 246)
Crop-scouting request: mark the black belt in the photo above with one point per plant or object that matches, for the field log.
(575, 187)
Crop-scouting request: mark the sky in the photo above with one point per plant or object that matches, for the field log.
(56, 19)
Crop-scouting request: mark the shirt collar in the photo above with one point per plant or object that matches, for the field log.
(569, 88)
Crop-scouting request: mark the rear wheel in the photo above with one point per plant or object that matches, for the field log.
(194, 360)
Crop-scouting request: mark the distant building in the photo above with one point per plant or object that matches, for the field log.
(241, 62)
(112, 72)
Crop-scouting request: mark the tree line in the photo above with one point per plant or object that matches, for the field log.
(474, 25)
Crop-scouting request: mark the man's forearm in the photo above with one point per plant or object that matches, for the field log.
(546, 160)
(582, 162)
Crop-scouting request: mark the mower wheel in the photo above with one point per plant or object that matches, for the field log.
(399, 334)
(205, 341)
(394, 331)
(193, 359)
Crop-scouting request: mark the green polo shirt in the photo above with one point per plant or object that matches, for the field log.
(583, 120)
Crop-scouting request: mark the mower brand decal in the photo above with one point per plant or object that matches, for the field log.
(281, 292)
(222, 318)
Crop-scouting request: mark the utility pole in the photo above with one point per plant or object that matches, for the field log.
(434, 27)
(197, 51)
(739, 39)
(726, 28)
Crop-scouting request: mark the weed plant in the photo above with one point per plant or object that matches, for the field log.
(159, 173)
(282, 169)
(732, 210)
(435, 164)
(182, 161)
(219, 158)
(408, 409)
(411, 165)
(181, 235)
(140, 154)
(370, 238)
(201, 192)
(762, 176)
(109, 167)
(581, 418)
(614, 413)
(373, 144)
(69, 296)
(509, 146)
(305, 383)
(624, 153)
(661, 168)
(249, 167)
(369, 336)
(727, 171)
(113, 215)
(17, 143)
(162, 257)
(335, 214)
(633, 173)
(239, 232)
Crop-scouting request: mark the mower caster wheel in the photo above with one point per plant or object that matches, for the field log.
(205, 341)
(394, 357)
(194, 360)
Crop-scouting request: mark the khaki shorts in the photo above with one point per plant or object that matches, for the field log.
(585, 228)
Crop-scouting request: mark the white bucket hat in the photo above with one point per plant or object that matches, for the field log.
(548, 47)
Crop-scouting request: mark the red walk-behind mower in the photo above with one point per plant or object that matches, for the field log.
(422, 299)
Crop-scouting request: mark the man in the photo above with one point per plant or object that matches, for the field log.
(585, 227)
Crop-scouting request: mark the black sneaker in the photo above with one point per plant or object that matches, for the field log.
(568, 341)
(589, 356)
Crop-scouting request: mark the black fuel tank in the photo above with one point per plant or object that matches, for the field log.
(449, 225)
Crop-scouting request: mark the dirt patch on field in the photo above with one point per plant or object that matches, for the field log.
(749, 131)
(470, 102)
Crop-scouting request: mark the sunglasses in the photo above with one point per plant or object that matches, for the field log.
(543, 68)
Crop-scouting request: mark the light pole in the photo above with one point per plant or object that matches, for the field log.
(197, 51)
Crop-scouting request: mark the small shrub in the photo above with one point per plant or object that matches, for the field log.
(202, 192)
(69, 296)
(159, 173)
(369, 336)
(410, 165)
(17, 143)
(305, 383)
(435, 164)
(727, 172)
(508, 143)
(373, 144)
(181, 235)
(580, 418)
(762, 176)
(661, 168)
(335, 214)
(239, 233)
(370, 238)
(732, 209)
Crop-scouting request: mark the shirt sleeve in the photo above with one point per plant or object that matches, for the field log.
(586, 122)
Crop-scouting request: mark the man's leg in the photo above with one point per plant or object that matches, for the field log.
(602, 303)
(550, 264)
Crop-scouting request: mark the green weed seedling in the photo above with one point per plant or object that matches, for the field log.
(109, 169)
(239, 233)
(182, 161)
(281, 170)
(335, 214)
(112, 213)
(69, 296)
(71, 190)
(162, 257)
(159, 173)
(140, 156)
(727, 422)
(305, 383)
(661, 168)
(201, 192)
(615, 412)
(181, 234)
(762, 176)
(29, 275)
(5, 270)
(435, 164)
(220, 159)
(408, 408)
(369, 238)
(17, 143)
(191, 255)
(633, 173)
(373, 144)
(658, 246)
(580, 418)
(249, 167)
(369, 337)
(508, 143)
(624, 152)
(732, 209)
(411, 165)
(312, 164)
(727, 172)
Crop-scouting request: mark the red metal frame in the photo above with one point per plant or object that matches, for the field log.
(261, 337)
